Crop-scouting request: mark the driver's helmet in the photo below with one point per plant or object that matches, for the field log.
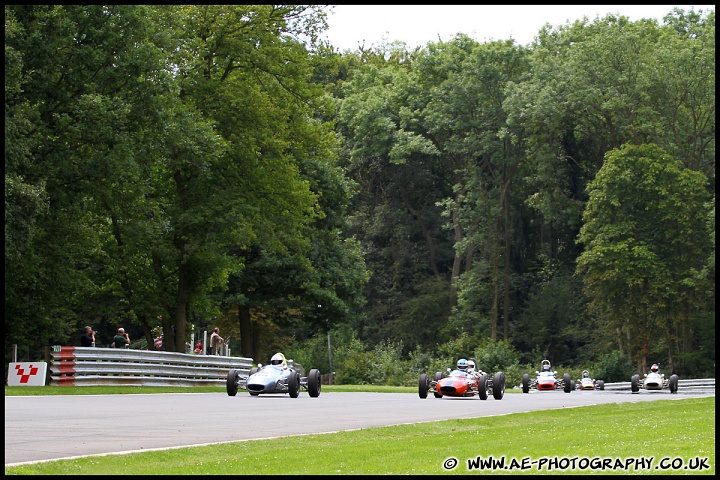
(278, 359)
(655, 367)
(586, 374)
(471, 366)
(545, 366)
(462, 364)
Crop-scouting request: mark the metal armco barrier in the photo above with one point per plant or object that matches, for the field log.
(89, 366)
(697, 383)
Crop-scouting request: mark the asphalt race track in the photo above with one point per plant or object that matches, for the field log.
(57, 427)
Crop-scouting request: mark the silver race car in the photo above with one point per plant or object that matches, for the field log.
(278, 377)
(654, 381)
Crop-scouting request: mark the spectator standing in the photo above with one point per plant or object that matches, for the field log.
(88, 338)
(216, 341)
(121, 340)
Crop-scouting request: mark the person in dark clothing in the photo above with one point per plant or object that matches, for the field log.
(88, 338)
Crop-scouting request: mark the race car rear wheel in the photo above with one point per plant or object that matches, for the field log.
(294, 385)
(423, 385)
(673, 383)
(231, 386)
(498, 385)
(600, 385)
(635, 383)
(313, 383)
(567, 383)
(482, 386)
(526, 383)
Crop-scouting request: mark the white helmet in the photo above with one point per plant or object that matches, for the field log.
(278, 359)
(471, 365)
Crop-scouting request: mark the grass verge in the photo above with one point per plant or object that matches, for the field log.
(676, 436)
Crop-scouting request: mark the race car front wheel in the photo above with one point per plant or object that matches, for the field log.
(294, 384)
(438, 376)
(231, 386)
(483, 386)
(498, 385)
(423, 385)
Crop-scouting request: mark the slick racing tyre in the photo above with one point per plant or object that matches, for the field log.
(498, 386)
(438, 376)
(483, 386)
(673, 383)
(635, 383)
(294, 385)
(423, 385)
(232, 378)
(526, 383)
(567, 383)
(314, 383)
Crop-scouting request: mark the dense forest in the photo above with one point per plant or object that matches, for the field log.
(377, 212)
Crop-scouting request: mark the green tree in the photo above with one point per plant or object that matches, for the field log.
(25, 200)
(466, 118)
(87, 72)
(249, 69)
(645, 241)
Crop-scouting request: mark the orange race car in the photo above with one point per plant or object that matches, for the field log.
(463, 383)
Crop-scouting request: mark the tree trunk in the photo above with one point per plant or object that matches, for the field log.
(258, 353)
(246, 342)
(495, 300)
(456, 262)
(508, 251)
(180, 313)
(429, 241)
(168, 338)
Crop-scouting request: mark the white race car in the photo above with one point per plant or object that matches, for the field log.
(654, 381)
